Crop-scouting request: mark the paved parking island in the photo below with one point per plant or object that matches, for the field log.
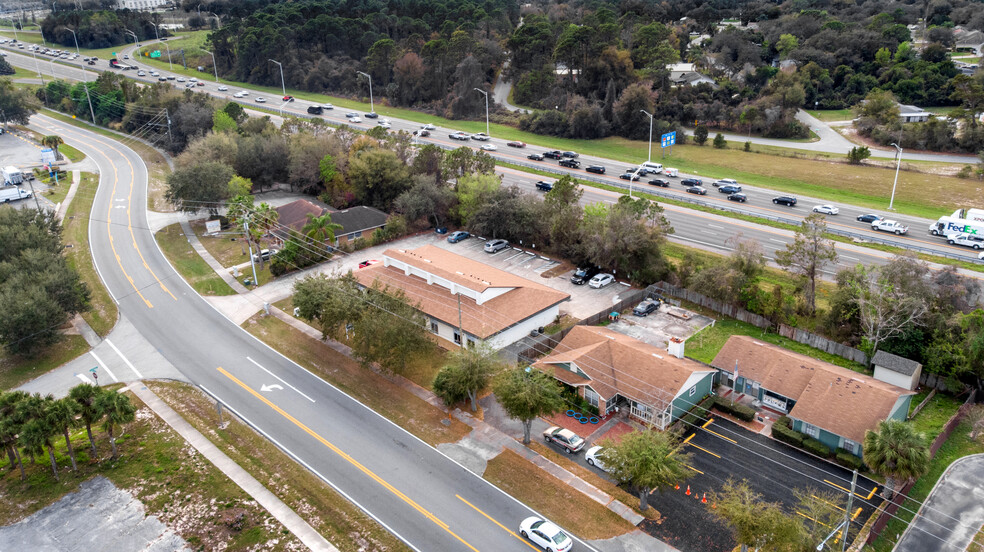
(950, 518)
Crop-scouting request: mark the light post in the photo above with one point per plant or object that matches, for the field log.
(486, 94)
(131, 33)
(216, 70)
(650, 157)
(898, 164)
(169, 65)
(282, 84)
(85, 82)
(372, 107)
(50, 61)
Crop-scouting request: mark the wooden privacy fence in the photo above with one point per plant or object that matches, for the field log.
(726, 309)
(824, 344)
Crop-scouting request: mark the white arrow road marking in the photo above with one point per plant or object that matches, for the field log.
(83, 378)
(103, 366)
(128, 363)
(267, 388)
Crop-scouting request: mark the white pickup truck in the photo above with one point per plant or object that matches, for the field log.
(890, 226)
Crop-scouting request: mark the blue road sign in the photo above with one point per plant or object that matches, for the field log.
(668, 139)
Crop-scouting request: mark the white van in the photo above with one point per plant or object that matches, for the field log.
(672, 172)
(652, 168)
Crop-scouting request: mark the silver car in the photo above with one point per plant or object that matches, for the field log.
(494, 246)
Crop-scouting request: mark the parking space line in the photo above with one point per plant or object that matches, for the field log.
(811, 519)
(695, 469)
(827, 502)
(848, 490)
(493, 520)
(704, 449)
(721, 436)
(513, 257)
(872, 493)
(707, 423)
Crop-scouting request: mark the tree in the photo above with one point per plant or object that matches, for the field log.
(786, 44)
(5, 68)
(390, 331)
(425, 199)
(223, 122)
(858, 154)
(35, 437)
(320, 228)
(880, 106)
(897, 453)
(700, 135)
(86, 396)
(526, 394)
(473, 191)
(61, 415)
(11, 420)
(889, 301)
(378, 176)
(17, 104)
(809, 253)
(262, 221)
(756, 523)
(719, 141)
(239, 186)
(53, 141)
(204, 186)
(468, 370)
(331, 302)
(647, 460)
(118, 410)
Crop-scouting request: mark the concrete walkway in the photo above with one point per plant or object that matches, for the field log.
(63, 206)
(953, 512)
(284, 514)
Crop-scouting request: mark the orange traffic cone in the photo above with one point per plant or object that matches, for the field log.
(676, 487)
(688, 490)
(704, 499)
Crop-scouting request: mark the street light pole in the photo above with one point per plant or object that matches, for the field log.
(169, 65)
(85, 81)
(216, 70)
(486, 94)
(898, 164)
(283, 85)
(372, 106)
(650, 158)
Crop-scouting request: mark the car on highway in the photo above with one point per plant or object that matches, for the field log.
(967, 240)
(544, 186)
(646, 308)
(591, 456)
(516, 144)
(261, 99)
(141, 74)
(544, 534)
(789, 201)
(740, 198)
(699, 190)
(164, 79)
(494, 246)
(596, 169)
(327, 106)
(222, 88)
(566, 438)
(659, 182)
(691, 182)
(726, 182)
(535, 156)
(489, 147)
(199, 83)
(372, 115)
(826, 209)
(480, 136)
(728, 189)
(288, 98)
(458, 236)
(600, 280)
(553, 154)
(155, 74)
(629, 176)
(869, 217)
(459, 136)
(890, 226)
(583, 274)
(351, 114)
(192, 79)
(385, 124)
(243, 92)
(192, 85)
(570, 163)
(355, 120)
(181, 79)
(428, 126)
(314, 109)
(571, 154)
(981, 255)
(238, 95)
(422, 133)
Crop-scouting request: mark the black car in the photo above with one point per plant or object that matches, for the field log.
(646, 307)
(553, 154)
(785, 200)
(738, 197)
(571, 154)
(660, 182)
(729, 189)
(583, 274)
(869, 217)
(315, 109)
(544, 186)
(535, 156)
(372, 115)
(699, 190)
(629, 176)
(570, 163)
(597, 169)
(691, 182)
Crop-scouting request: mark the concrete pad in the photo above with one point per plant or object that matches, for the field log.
(636, 541)
(238, 308)
(657, 328)
(99, 517)
(471, 453)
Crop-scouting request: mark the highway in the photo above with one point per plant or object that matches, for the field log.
(413, 490)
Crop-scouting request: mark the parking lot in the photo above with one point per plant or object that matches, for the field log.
(25, 155)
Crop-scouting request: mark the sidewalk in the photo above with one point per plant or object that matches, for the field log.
(294, 523)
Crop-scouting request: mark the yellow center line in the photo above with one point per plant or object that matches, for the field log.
(704, 449)
(504, 528)
(349, 459)
(848, 490)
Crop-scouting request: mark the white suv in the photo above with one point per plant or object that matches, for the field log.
(890, 226)
(968, 240)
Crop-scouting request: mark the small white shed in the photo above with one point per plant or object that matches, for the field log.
(896, 370)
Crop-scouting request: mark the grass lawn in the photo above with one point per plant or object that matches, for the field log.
(229, 253)
(958, 445)
(103, 311)
(373, 390)
(189, 264)
(21, 73)
(933, 416)
(58, 192)
(15, 370)
(179, 486)
(827, 115)
(553, 498)
(331, 515)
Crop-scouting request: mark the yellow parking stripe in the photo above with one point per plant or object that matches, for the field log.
(704, 449)
(848, 490)
(504, 528)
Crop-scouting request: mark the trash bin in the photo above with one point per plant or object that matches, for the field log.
(247, 282)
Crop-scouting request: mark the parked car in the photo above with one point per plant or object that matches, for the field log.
(489, 147)
(785, 200)
(591, 457)
(583, 274)
(368, 263)
(480, 136)
(570, 163)
(660, 182)
(869, 217)
(691, 182)
(516, 144)
(458, 236)
(372, 115)
(459, 136)
(741, 198)
(544, 534)
(826, 209)
(596, 169)
(553, 154)
(629, 176)
(646, 307)
(544, 186)
(699, 190)
(571, 154)
(535, 156)
(601, 280)
(967, 240)
(727, 182)
(564, 437)
(729, 189)
(494, 246)
(314, 109)
(264, 254)
(890, 226)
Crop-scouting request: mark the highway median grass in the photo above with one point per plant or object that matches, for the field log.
(331, 514)
(189, 264)
(103, 312)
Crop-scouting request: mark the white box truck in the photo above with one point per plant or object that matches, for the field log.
(12, 176)
(962, 221)
(12, 193)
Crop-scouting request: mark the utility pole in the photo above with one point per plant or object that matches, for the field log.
(650, 157)
(85, 82)
(898, 165)
(486, 94)
(167, 114)
(847, 512)
(461, 332)
(372, 107)
(249, 244)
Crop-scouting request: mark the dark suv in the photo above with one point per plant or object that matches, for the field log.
(691, 182)
(570, 163)
(660, 182)
(583, 274)
(553, 154)
(785, 200)
(597, 169)
(314, 109)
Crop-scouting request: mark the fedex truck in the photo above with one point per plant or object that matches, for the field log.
(12, 176)
(962, 221)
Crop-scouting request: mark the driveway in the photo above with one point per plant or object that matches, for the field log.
(952, 514)
(657, 328)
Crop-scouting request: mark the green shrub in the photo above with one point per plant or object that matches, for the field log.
(720, 142)
(697, 415)
(782, 432)
(848, 460)
(738, 410)
(358, 244)
(816, 447)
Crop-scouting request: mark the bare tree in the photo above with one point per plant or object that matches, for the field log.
(809, 253)
(885, 308)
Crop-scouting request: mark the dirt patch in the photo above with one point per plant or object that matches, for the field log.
(564, 266)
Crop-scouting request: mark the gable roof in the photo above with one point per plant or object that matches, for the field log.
(895, 363)
(836, 399)
(522, 300)
(615, 363)
(294, 214)
(358, 219)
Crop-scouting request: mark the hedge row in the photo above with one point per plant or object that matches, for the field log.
(816, 447)
(781, 431)
(697, 415)
(848, 460)
(738, 410)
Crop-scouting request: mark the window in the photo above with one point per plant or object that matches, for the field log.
(693, 391)
(591, 396)
(457, 337)
(433, 326)
(354, 235)
(851, 446)
(811, 430)
(471, 343)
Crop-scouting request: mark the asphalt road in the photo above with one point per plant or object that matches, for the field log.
(419, 494)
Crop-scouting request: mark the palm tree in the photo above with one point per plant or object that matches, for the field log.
(35, 437)
(321, 229)
(897, 453)
(119, 410)
(90, 412)
(61, 414)
(53, 141)
(10, 424)
(32, 407)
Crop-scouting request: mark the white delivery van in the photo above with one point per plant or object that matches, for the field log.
(672, 172)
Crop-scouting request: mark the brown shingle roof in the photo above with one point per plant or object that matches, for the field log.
(617, 363)
(523, 300)
(294, 214)
(836, 399)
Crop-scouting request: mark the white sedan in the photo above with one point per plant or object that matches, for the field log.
(591, 457)
(489, 147)
(546, 535)
(601, 280)
(355, 119)
(429, 126)
(261, 100)
(826, 209)
(385, 124)
(223, 88)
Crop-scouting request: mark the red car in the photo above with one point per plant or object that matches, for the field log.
(288, 98)
(199, 83)
(516, 144)
(368, 263)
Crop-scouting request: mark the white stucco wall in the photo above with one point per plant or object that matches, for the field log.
(523, 329)
(895, 378)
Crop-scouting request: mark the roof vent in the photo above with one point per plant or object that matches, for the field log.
(658, 356)
(459, 273)
(759, 344)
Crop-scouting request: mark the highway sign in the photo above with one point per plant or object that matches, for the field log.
(155, 54)
(668, 139)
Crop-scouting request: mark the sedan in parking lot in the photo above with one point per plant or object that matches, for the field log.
(546, 535)
(869, 218)
(729, 189)
(591, 456)
(629, 176)
(601, 280)
(494, 246)
(741, 198)
(699, 190)
(489, 147)
(516, 144)
(646, 308)
(564, 437)
(456, 237)
(826, 209)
